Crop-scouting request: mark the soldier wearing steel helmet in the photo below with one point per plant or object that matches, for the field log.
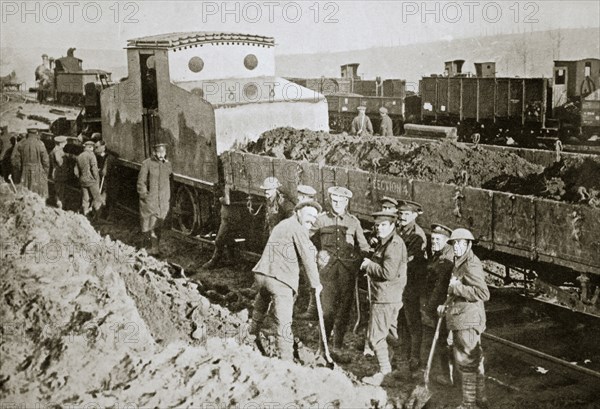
(465, 317)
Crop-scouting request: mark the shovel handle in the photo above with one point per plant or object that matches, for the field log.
(356, 296)
(436, 336)
(322, 327)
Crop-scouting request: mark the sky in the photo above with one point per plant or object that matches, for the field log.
(298, 26)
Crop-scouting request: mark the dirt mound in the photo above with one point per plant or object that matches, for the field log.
(575, 180)
(90, 321)
(444, 161)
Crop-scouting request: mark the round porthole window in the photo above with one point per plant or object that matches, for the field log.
(250, 61)
(196, 64)
(251, 91)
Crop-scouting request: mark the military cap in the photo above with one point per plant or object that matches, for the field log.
(306, 190)
(390, 200)
(437, 228)
(89, 143)
(60, 139)
(339, 191)
(158, 145)
(96, 136)
(385, 215)
(383, 110)
(362, 108)
(409, 205)
(34, 131)
(270, 183)
(310, 203)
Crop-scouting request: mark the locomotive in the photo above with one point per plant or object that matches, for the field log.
(523, 108)
(201, 93)
(64, 81)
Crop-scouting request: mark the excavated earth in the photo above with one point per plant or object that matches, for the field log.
(573, 180)
(91, 321)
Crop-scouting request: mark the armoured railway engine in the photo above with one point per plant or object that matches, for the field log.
(170, 97)
(201, 93)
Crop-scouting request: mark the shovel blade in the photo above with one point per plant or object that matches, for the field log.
(418, 398)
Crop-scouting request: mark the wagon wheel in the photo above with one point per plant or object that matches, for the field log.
(186, 210)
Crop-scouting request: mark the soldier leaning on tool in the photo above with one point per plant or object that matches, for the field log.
(30, 161)
(439, 270)
(341, 242)
(386, 272)
(154, 190)
(59, 168)
(416, 243)
(361, 124)
(277, 274)
(465, 317)
(89, 178)
(387, 127)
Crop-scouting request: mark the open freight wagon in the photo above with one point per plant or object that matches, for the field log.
(529, 230)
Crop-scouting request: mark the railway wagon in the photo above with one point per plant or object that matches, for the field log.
(519, 104)
(201, 93)
(530, 232)
(343, 108)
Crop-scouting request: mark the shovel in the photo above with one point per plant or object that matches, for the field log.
(330, 363)
(12, 183)
(421, 394)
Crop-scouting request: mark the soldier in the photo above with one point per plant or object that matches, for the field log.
(416, 242)
(386, 271)
(465, 317)
(105, 165)
(277, 274)
(387, 127)
(154, 189)
(60, 169)
(340, 239)
(6, 165)
(30, 161)
(361, 124)
(278, 206)
(305, 193)
(439, 270)
(89, 178)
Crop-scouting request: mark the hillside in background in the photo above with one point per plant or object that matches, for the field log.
(529, 54)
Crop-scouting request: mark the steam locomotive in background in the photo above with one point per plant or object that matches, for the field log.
(495, 108)
(64, 81)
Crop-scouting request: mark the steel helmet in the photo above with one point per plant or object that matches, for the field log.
(461, 234)
(270, 183)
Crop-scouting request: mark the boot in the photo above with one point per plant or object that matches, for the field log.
(311, 311)
(469, 390)
(445, 376)
(482, 400)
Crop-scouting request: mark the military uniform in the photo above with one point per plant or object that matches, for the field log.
(361, 124)
(465, 317)
(60, 171)
(416, 242)
(277, 274)
(154, 189)
(89, 180)
(387, 127)
(387, 273)
(337, 238)
(30, 161)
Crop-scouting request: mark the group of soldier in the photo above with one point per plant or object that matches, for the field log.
(409, 283)
(31, 164)
(361, 124)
